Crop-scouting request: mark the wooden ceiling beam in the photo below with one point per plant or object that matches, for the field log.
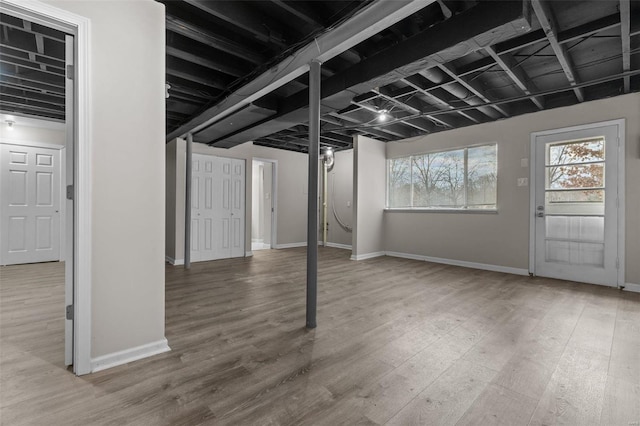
(371, 20)
(262, 27)
(204, 62)
(625, 31)
(300, 11)
(472, 87)
(208, 38)
(548, 22)
(510, 67)
(196, 79)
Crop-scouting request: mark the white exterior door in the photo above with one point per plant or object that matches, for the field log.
(575, 193)
(30, 208)
(217, 208)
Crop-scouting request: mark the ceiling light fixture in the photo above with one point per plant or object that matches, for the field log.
(10, 124)
(383, 115)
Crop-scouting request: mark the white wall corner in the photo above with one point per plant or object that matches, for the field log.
(173, 261)
(635, 288)
(129, 355)
(366, 256)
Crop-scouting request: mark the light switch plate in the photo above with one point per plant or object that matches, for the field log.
(523, 181)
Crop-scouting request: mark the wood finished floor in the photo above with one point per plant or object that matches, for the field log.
(398, 342)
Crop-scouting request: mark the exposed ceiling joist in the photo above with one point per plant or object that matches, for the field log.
(200, 35)
(204, 62)
(361, 26)
(625, 30)
(473, 88)
(196, 79)
(240, 15)
(421, 51)
(516, 74)
(300, 11)
(549, 25)
(595, 82)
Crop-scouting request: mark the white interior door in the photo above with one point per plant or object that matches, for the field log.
(217, 208)
(30, 204)
(575, 222)
(237, 208)
(205, 170)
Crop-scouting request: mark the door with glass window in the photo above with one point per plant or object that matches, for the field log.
(575, 217)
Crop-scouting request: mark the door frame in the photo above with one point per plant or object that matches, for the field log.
(620, 124)
(274, 197)
(80, 28)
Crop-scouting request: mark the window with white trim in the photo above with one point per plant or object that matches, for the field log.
(464, 178)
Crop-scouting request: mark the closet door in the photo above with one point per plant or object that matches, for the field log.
(217, 227)
(203, 212)
(237, 208)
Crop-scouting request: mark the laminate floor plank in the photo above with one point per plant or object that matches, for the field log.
(398, 342)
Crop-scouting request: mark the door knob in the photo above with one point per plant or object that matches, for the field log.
(540, 214)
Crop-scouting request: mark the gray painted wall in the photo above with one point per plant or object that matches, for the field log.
(503, 238)
(369, 166)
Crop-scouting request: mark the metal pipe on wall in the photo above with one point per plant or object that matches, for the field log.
(312, 213)
(325, 220)
(187, 204)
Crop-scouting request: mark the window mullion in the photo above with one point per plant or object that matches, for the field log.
(466, 176)
(411, 174)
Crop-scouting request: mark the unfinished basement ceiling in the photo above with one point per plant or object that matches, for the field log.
(451, 64)
(32, 69)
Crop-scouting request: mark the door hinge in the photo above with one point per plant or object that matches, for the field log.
(69, 312)
(70, 72)
(69, 192)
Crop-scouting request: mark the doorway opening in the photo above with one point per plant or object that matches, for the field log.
(45, 60)
(263, 205)
(577, 198)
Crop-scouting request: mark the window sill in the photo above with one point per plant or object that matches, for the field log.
(422, 210)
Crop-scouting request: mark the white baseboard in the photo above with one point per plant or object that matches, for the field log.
(368, 255)
(291, 245)
(340, 246)
(129, 355)
(248, 254)
(173, 261)
(632, 287)
(463, 263)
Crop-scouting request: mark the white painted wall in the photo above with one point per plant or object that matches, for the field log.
(503, 239)
(32, 130)
(128, 168)
(369, 167)
(261, 202)
(340, 189)
(291, 206)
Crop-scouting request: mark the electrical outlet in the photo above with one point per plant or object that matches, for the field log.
(523, 181)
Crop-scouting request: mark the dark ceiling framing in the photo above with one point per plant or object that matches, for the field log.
(32, 69)
(407, 69)
(448, 65)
